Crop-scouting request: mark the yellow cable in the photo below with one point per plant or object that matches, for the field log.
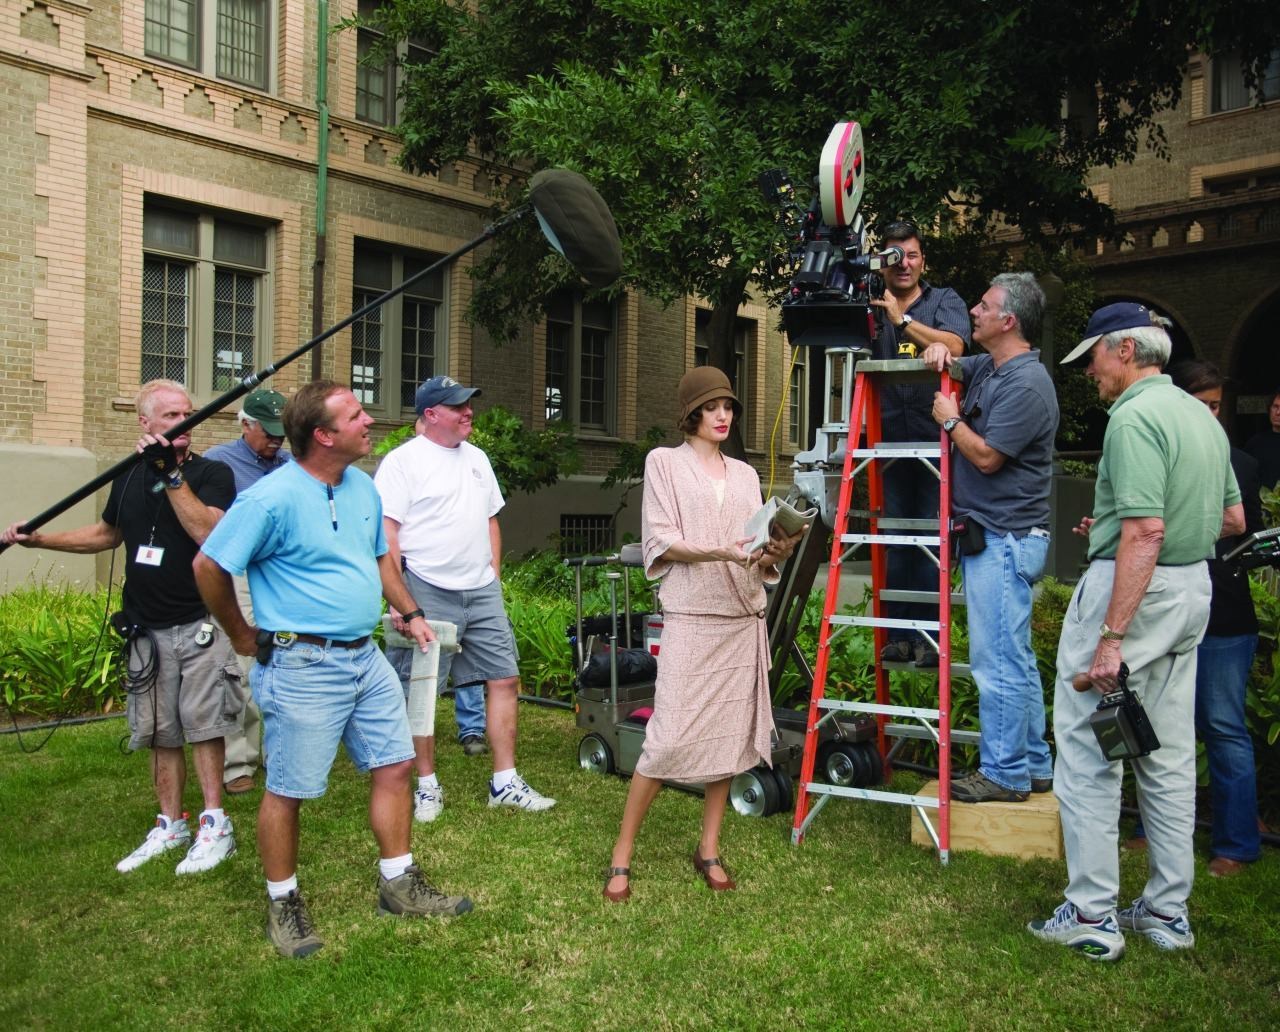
(773, 437)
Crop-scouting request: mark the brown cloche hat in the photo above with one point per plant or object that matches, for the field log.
(700, 385)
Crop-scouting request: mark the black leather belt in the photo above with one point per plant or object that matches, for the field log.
(289, 637)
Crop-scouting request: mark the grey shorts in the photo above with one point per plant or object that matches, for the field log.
(484, 632)
(196, 695)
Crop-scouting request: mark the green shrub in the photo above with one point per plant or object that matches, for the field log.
(49, 664)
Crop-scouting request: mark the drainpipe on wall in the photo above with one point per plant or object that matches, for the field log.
(322, 178)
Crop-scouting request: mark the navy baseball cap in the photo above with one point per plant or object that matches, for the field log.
(1123, 315)
(441, 390)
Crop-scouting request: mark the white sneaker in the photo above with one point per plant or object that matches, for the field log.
(164, 836)
(518, 793)
(213, 844)
(1097, 940)
(427, 803)
(1169, 933)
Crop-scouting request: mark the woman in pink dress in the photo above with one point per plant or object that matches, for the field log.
(712, 715)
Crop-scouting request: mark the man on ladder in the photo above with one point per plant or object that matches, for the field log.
(1001, 474)
(916, 316)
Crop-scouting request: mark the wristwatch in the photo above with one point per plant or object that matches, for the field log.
(906, 321)
(1107, 634)
(174, 479)
(413, 614)
(950, 424)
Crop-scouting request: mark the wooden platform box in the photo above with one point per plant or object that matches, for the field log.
(1024, 829)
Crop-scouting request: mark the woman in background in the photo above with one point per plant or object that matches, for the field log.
(712, 715)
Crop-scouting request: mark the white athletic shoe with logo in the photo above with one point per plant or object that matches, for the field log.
(427, 803)
(166, 835)
(518, 793)
(214, 843)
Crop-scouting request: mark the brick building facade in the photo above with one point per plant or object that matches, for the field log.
(1203, 231)
(161, 171)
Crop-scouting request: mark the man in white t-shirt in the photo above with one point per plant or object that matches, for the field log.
(440, 503)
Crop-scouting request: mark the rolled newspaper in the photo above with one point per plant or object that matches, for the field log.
(424, 674)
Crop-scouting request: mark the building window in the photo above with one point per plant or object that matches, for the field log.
(204, 281)
(744, 331)
(226, 38)
(580, 361)
(1229, 89)
(398, 345)
(585, 534)
(379, 75)
(798, 397)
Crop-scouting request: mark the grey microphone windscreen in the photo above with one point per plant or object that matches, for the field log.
(578, 224)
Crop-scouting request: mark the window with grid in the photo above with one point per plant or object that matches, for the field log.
(585, 534)
(398, 345)
(1229, 89)
(204, 285)
(744, 332)
(225, 38)
(797, 395)
(579, 383)
(379, 75)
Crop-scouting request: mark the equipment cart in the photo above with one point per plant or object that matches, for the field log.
(616, 657)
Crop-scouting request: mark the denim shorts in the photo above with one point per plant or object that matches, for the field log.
(484, 631)
(314, 696)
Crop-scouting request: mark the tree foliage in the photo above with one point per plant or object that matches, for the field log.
(973, 113)
(522, 459)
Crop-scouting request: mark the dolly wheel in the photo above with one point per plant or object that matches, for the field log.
(754, 793)
(595, 755)
(786, 797)
(871, 755)
(839, 763)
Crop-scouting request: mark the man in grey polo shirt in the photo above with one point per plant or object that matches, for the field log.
(1002, 468)
(255, 454)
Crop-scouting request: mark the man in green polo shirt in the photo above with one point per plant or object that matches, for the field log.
(1165, 494)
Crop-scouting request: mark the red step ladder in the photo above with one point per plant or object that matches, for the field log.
(870, 378)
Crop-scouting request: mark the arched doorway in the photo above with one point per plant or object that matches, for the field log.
(1255, 371)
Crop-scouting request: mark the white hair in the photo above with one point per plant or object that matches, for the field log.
(142, 401)
(1151, 344)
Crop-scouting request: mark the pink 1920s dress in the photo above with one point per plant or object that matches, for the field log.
(712, 715)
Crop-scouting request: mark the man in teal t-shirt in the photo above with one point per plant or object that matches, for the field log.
(1165, 494)
(310, 539)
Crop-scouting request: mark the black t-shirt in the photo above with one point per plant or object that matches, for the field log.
(163, 595)
(906, 409)
(1231, 611)
(1265, 447)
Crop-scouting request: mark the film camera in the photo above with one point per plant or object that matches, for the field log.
(1120, 723)
(834, 277)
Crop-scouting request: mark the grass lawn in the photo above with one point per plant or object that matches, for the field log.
(856, 928)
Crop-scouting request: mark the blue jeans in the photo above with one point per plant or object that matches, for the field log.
(468, 710)
(312, 697)
(1222, 672)
(910, 492)
(997, 586)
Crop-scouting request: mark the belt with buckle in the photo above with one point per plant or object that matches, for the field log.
(287, 638)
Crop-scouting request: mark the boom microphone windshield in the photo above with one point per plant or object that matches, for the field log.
(578, 224)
